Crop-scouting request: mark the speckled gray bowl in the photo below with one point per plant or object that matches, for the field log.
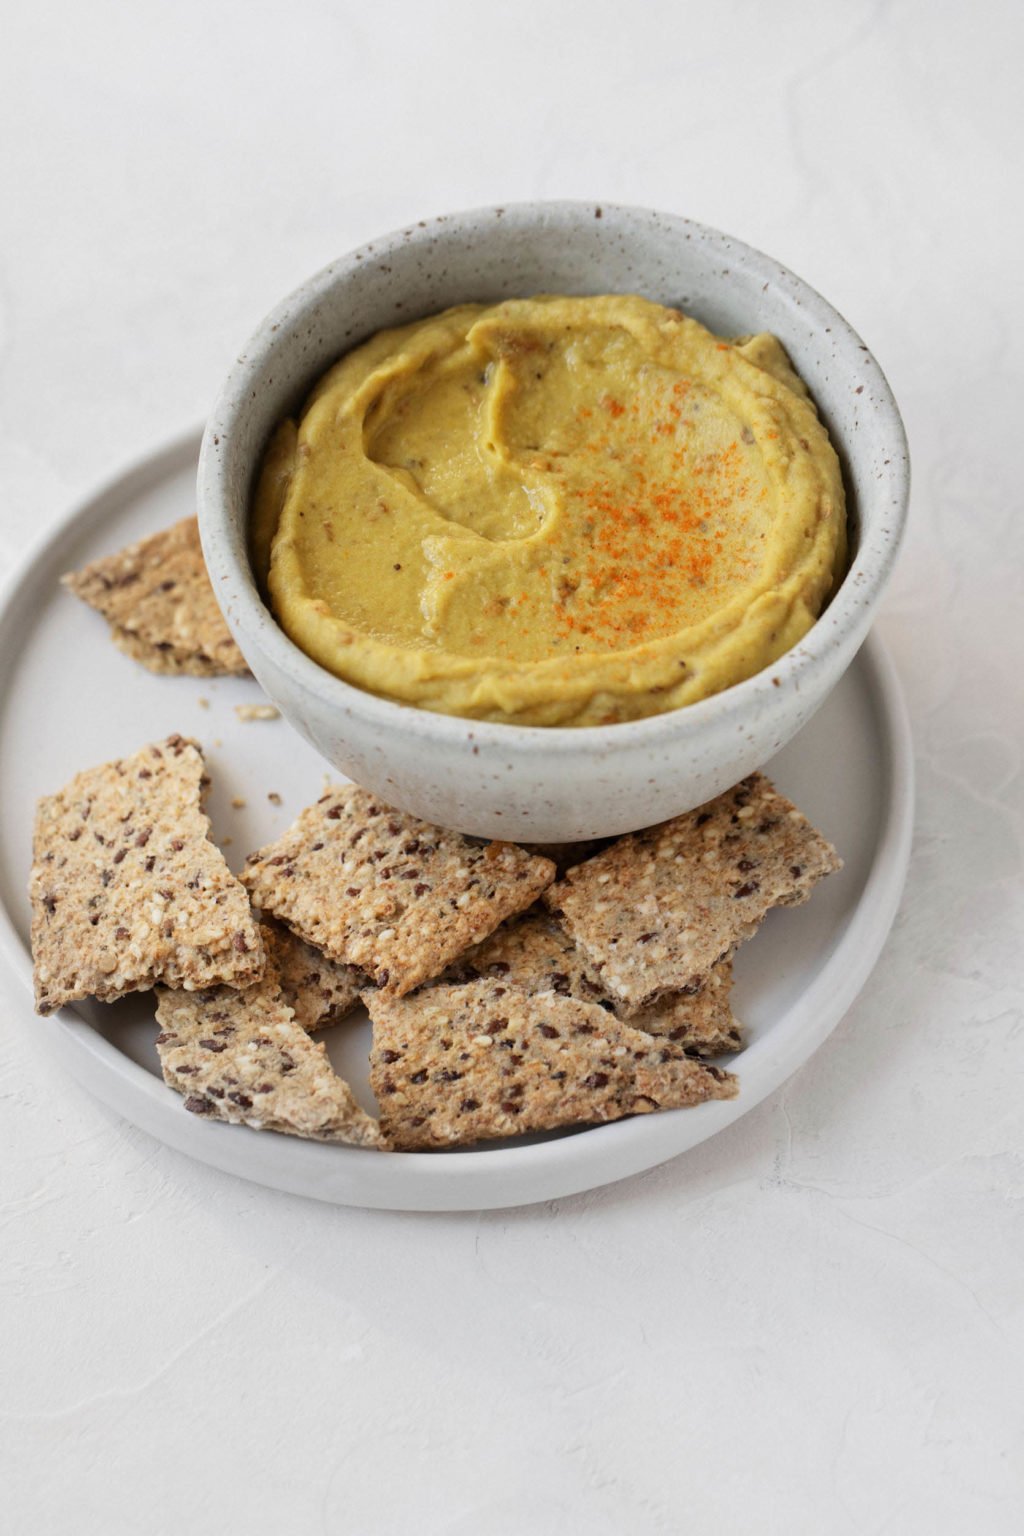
(530, 782)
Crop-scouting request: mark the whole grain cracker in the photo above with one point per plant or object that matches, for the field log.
(127, 889)
(319, 991)
(454, 1065)
(654, 912)
(158, 600)
(244, 1057)
(534, 953)
(381, 890)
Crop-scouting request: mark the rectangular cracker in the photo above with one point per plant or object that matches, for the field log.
(320, 992)
(654, 912)
(158, 600)
(381, 890)
(534, 953)
(242, 1056)
(127, 889)
(452, 1065)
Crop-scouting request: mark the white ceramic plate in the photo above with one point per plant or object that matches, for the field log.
(68, 699)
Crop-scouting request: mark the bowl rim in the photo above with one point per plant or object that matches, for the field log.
(863, 584)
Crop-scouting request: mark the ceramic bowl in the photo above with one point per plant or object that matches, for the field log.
(538, 783)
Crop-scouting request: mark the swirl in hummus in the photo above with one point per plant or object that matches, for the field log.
(551, 511)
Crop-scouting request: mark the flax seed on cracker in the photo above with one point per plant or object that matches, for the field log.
(381, 890)
(242, 1056)
(127, 888)
(656, 911)
(157, 598)
(320, 991)
(453, 1065)
(536, 954)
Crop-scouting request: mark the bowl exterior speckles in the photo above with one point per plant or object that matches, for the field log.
(529, 782)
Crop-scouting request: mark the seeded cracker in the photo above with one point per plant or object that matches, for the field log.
(127, 889)
(654, 912)
(459, 1064)
(380, 890)
(244, 1057)
(535, 954)
(320, 992)
(157, 598)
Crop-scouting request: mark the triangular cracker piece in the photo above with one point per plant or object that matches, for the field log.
(157, 598)
(657, 909)
(535, 954)
(383, 891)
(319, 991)
(127, 889)
(244, 1057)
(458, 1064)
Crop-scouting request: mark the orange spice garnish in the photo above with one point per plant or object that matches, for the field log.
(647, 535)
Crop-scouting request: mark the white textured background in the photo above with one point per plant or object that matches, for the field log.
(814, 1323)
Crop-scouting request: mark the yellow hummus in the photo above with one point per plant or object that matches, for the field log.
(552, 511)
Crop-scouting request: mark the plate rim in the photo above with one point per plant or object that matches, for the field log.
(492, 1178)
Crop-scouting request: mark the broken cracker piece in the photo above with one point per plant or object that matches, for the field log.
(127, 889)
(319, 991)
(381, 890)
(535, 954)
(454, 1065)
(157, 598)
(657, 910)
(244, 1057)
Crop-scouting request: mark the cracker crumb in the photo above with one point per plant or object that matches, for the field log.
(274, 797)
(247, 712)
(238, 803)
